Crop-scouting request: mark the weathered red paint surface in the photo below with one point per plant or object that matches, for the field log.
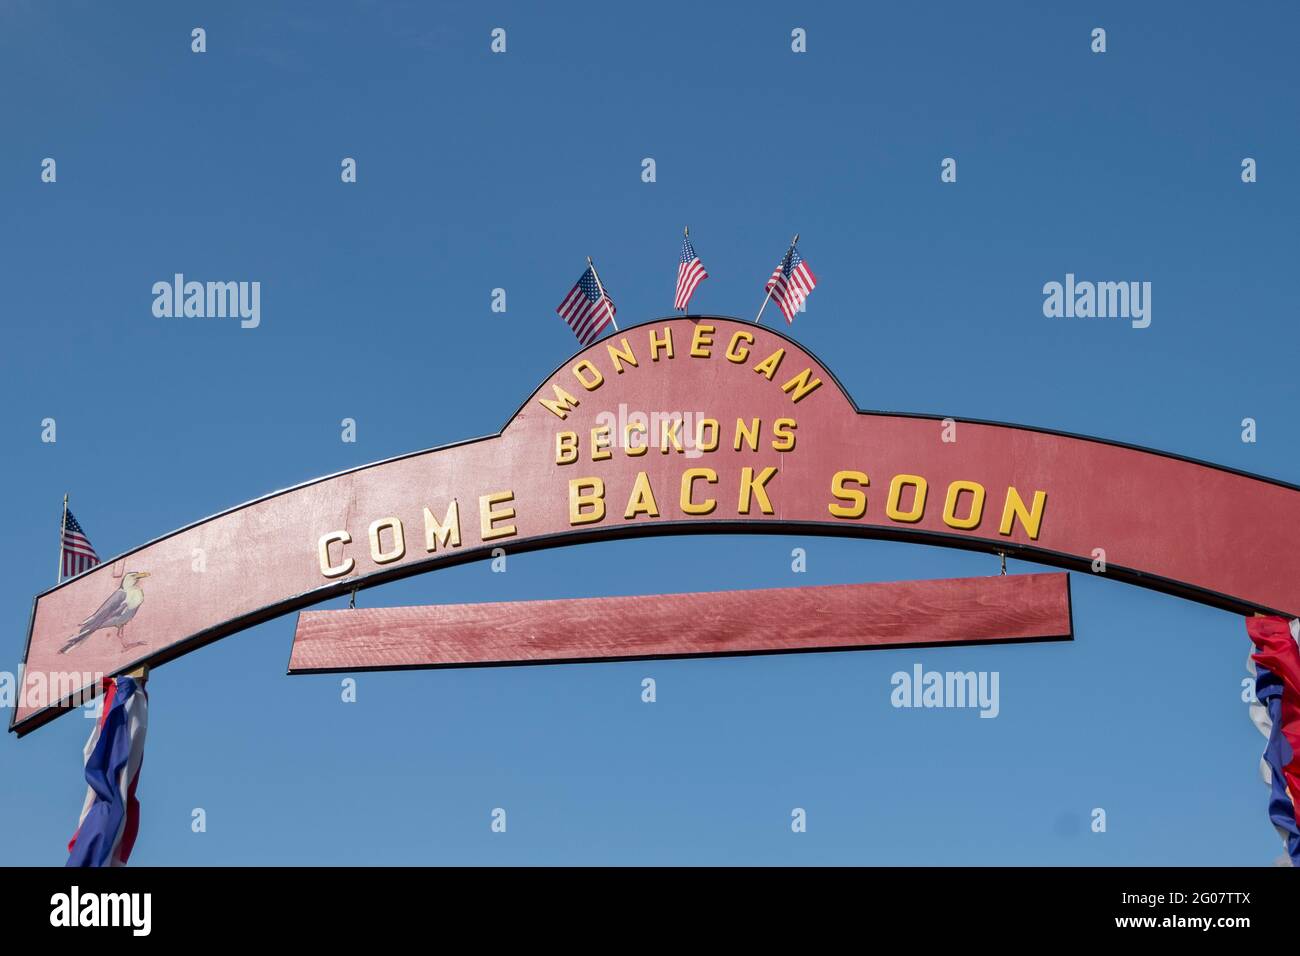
(1192, 529)
(1016, 607)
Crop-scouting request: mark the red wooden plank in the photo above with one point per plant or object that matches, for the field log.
(1021, 607)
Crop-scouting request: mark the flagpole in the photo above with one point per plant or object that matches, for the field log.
(686, 234)
(758, 321)
(601, 289)
(63, 526)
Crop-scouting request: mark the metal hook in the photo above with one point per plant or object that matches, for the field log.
(1003, 556)
(352, 601)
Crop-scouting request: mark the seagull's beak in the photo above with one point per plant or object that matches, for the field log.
(141, 574)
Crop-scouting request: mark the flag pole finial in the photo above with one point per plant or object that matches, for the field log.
(686, 231)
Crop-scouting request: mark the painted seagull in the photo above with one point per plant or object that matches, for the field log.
(116, 611)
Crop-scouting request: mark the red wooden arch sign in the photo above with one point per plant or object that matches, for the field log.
(682, 425)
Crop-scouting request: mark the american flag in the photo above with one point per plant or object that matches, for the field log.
(587, 308)
(78, 555)
(790, 283)
(690, 273)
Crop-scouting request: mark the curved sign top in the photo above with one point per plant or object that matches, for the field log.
(682, 425)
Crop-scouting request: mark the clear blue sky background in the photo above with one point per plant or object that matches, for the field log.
(478, 171)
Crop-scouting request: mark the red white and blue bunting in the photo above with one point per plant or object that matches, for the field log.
(1276, 712)
(114, 754)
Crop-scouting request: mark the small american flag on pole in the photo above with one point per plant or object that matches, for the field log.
(587, 308)
(690, 273)
(790, 283)
(78, 555)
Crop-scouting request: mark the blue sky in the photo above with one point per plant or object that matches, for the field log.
(478, 171)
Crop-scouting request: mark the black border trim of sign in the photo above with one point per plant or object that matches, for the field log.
(1036, 555)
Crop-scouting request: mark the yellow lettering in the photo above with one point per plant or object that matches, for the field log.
(749, 484)
(702, 341)
(738, 355)
(566, 448)
(972, 519)
(448, 532)
(688, 506)
(711, 443)
(600, 442)
(634, 451)
(562, 404)
(619, 356)
(583, 492)
(750, 434)
(767, 368)
(669, 429)
(1030, 518)
(800, 385)
(377, 552)
(642, 499)
(783, 434)
(857, 506)
(588, 375)
(665, 343)
(896, 487)
(327, 567)
(488, 516)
